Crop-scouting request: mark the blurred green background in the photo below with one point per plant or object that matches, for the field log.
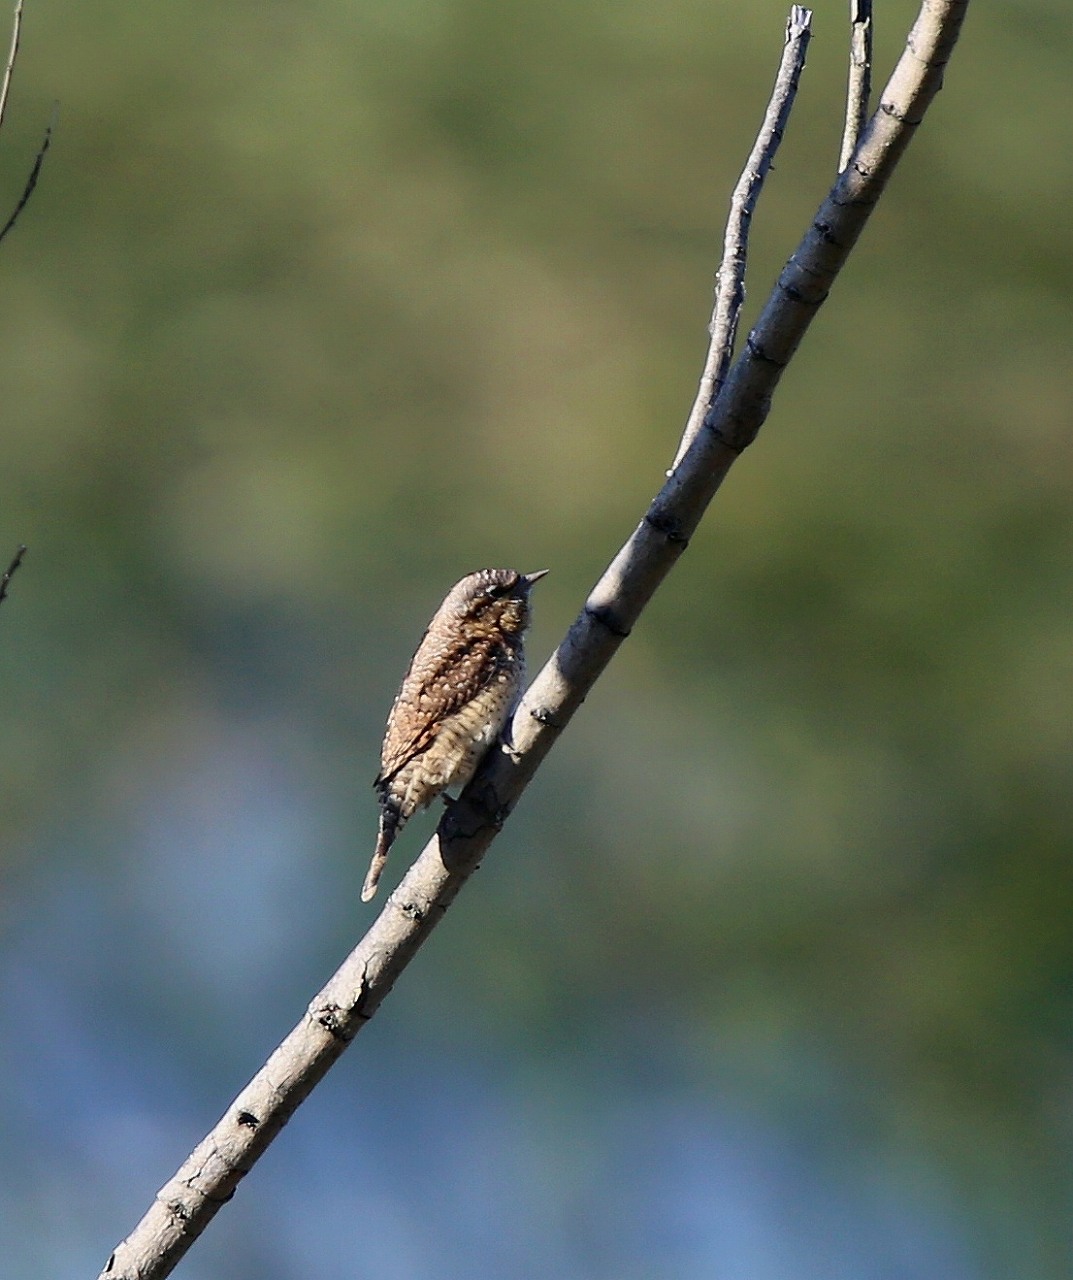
(318, 307)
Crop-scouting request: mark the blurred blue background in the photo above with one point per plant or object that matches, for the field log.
(319, 307)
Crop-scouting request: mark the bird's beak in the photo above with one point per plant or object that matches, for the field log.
(530, 578)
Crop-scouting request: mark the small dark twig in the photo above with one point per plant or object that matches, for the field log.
(859, 88)
(730, 278)
(5, 581)
(31, 181)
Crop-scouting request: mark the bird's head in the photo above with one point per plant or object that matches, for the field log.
(493, 600)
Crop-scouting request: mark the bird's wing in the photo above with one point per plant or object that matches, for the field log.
(438, 684)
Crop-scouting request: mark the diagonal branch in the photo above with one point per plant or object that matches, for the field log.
(730, 278)
(5, 580)
(209, 1177)
(859, 85)
(31, 181)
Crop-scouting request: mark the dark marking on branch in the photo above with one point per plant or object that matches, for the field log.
(825, 233)
(668, 527)
(758, 353)
(329, 1017)
(889, 109)
(602, 617)
(545, 717)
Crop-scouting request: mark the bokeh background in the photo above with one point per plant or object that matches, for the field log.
(319, 306)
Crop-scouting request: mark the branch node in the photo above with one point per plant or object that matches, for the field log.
(545, 716)
(903, 117)
(758, 353)
(826, 234)
(333, 1019)
(665, 524)
(602, 616)
(176, 1209)
(792, 292)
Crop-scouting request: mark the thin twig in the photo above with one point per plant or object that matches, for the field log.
(5, 581)
(730, 278)
(859, 87)
(5, 89)
(13, 53)
(209, 1177)
(31, 181)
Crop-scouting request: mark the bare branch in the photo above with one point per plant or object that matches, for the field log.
(859, 86)
(5, 89)
(5, 581)
(186, 1204)
(730, 278)
(13, 53)
(31, 181)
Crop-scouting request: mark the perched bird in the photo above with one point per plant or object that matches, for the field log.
(463, 683)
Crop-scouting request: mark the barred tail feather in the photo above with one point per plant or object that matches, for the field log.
(389, 825)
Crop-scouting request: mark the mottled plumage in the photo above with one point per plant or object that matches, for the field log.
(462, 685)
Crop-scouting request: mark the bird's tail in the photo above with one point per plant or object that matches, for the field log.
(389, 825)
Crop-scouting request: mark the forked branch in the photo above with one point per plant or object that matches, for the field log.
(730, 278)
(207, 1180)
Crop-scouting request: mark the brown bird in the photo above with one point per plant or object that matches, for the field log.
(463, 683)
